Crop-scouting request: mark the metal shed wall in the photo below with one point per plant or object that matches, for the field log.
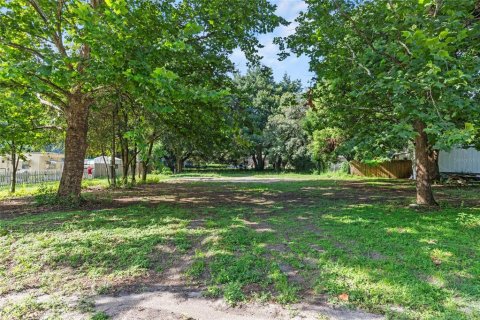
(460, 161)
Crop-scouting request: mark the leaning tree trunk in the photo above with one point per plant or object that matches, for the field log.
(424, 186)
(75, 145)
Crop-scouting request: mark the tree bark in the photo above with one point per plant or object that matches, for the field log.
(75, 144)
(106, 165)
(15, 162)
(424, 186)
(255, 162)
(259, 159)
(146, 162)
(114, 148)
(178, 164)
(134, 164)
(433, 168)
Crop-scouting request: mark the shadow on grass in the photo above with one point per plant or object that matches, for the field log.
(286, 242)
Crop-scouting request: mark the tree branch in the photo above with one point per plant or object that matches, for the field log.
(50, 83)
(39, 10)
(26, 49)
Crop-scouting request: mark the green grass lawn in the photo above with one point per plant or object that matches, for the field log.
(348, 242)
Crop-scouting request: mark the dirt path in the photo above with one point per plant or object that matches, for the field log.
(167, 305)
(238, 179)
(186, 192)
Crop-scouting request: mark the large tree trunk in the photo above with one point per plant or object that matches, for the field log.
(433, 168)
(424, 186)
(75, 145)
(259, 159)
(178, 164)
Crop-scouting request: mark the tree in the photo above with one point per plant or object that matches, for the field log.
(22, 126)
(396, 70)
(325, 145)
(68, 51)
(285, 135)
(196, 128)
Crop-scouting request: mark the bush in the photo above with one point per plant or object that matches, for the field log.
(47, 195)
(162, 170)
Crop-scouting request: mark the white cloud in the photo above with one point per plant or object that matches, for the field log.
(289, 9)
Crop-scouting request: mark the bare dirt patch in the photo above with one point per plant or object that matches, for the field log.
(169, 305)
(198, 193)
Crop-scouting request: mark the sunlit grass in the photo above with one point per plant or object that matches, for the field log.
(378, 256)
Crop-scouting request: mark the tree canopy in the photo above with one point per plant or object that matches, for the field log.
(393, 71)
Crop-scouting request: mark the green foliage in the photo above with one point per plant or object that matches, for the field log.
(233, 293)
(22, 126)
(383, 65)
(100, 316)
(145, 59)
(324, 146)
(46, 194)
(469, 220)
(270, 117)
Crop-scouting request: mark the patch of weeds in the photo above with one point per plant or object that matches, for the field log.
(100, 316)
(28, 308)
(233, 293)
(3, 232)
(213, 292)
(104, 289)
(86, 304)
(468, 220)
(31, 308)
(129, 185)
(246, 269)
(196, 270)
(47, 195)
(287, 292)
(182, 242)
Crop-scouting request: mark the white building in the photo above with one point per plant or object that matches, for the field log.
(458, 160)
(34, 162)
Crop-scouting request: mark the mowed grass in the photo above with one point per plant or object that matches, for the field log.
(285, 242)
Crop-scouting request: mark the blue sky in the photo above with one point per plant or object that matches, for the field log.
(296, 68)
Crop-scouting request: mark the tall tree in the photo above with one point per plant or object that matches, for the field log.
(257, 98)
(393, 69)
(66, 51)
(286, 139)
(23, 122)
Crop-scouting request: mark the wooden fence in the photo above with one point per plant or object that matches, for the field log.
(396, 169)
